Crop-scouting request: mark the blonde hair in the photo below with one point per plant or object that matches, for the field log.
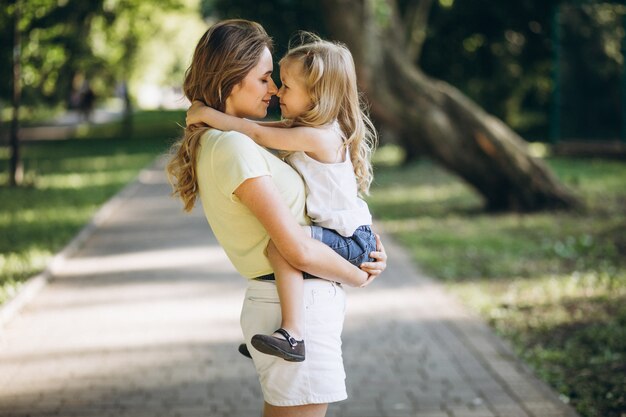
(330, 79)
(223, 57)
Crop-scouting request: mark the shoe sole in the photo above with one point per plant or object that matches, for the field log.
(243, 349)
(263, 347)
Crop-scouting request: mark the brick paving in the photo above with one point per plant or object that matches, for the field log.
(142, 320)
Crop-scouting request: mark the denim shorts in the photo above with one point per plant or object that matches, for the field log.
(356, 248)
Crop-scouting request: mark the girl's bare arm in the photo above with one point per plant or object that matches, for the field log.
(278, 124)
(306, 139)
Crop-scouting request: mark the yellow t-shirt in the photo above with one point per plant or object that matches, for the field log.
(225, 161)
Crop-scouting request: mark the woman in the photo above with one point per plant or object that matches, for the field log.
(249, 196)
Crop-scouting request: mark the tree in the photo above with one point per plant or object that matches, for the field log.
(63, 41)
(16, 173)
(591, 70)
(435, 117)
(53, 44)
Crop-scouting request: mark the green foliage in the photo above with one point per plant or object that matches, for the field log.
(501, 55)
(65, 42)
(282, 19)
(67, 181)
(54, 44)
(498, 53)
(553, 283)
(592, 70)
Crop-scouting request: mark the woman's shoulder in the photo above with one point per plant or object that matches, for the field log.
(229, 144)
(229, 135)
(218, 139)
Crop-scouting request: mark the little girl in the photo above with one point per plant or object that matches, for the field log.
(328, 139)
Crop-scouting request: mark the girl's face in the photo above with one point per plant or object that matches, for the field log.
(293, 95)
(252, 95)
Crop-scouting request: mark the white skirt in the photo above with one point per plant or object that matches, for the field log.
(320, 379)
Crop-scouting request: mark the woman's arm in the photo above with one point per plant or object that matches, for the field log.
(307, 139)
(300, 250)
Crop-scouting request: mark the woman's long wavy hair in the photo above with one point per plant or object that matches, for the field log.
(330, 78)
(223, 57)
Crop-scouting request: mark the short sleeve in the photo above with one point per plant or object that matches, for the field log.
(236, 158)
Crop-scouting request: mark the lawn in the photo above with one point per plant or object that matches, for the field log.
(552, 283)
(66, 182)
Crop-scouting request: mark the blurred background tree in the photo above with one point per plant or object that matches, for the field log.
(435, 71)
(499, 54)
(104, 42)
(591, 70)
(72, 53)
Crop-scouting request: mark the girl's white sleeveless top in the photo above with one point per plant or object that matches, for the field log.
(332, 199)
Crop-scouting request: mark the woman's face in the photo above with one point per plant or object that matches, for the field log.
(251, 97)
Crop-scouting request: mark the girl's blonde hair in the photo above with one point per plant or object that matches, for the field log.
(223, 57)
(330, 79)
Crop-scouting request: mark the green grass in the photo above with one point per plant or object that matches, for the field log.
(552, 283)
(66, 182)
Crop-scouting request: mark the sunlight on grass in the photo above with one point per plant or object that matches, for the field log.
(388, 155)
(423, 193)
(15, 267)
(93, 163)
(51, 216)
(82, 180)
(522, 293)
(538, 149)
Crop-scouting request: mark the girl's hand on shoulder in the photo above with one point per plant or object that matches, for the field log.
(195, 113)
(374, 269)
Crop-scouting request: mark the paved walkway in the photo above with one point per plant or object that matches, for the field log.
(142, 320)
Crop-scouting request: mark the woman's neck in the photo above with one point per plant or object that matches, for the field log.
(230, 110)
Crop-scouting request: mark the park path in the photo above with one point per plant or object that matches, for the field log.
(141, 320)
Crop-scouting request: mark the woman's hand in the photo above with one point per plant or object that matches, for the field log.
(374, 269)
(195, 113)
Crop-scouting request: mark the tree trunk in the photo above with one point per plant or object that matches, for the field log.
(127, 117)
(16, 174)
(434, 117)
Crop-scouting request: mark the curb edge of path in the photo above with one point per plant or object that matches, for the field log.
(33, 285)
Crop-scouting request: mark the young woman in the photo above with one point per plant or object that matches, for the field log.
(329, 143)
(249, 196)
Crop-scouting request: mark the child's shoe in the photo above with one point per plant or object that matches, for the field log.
(243, 349)
(289, 349)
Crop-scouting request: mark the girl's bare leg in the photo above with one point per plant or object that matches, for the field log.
(309, 410)
(290, 286)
